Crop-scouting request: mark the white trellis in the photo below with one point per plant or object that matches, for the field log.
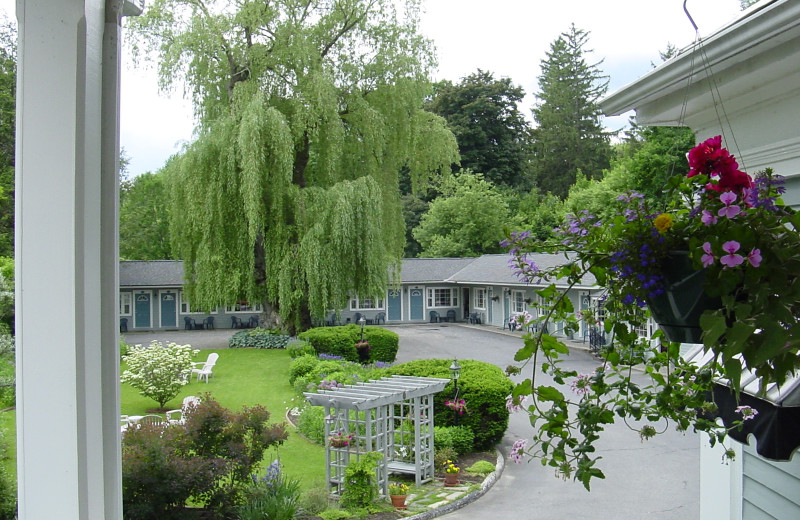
(392, 415)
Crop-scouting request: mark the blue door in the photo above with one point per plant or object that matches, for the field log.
(416, 304)
(395, 305)
(490, 304)
(169, 317)
(141, 310)
(506, 310)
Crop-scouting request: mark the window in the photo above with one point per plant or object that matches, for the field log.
(518, 301)
(243, 306)
(124, 304)
(442, 297)
(480, 298)
(365, 304)
(185, 307)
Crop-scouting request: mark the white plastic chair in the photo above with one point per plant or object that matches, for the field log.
(189, 402)
(208, 365)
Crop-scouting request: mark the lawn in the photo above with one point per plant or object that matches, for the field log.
(247, 377)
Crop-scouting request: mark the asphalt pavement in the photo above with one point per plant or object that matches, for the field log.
(656, 479)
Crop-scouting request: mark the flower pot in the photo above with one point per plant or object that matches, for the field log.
(398, 501)
(339, 443)
(450, 479)
(363, 355)
(678, 309)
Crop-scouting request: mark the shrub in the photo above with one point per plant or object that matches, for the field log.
(273, 496)
(483, 386)
(340, 341)
(159, 371)
(311, 423)
(316, 499)
(440, 456)
(302, 366)
(8, 496)
(360, 488)
(158, 477)
(124, 349)
(299, 348)
(460, 438)
(259, 338)
(334, 514)
(482, 467)
(8, 377)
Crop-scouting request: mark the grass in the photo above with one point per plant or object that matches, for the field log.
(247, 377)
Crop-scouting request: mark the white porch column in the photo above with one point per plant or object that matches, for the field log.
(66, 261)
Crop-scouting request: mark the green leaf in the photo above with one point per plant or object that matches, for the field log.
(549, 393)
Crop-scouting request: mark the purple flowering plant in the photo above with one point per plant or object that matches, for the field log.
(734, 227)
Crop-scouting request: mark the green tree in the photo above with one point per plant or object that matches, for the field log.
(307, 111)
(535, 212)
(467, 219)
(493, 136)
(569, 136)
(144, 219)
(413, 209)
(8, 89)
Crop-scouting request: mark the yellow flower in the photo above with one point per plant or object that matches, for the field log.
(663, 222)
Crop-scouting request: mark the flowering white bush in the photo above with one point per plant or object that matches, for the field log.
(159, 371)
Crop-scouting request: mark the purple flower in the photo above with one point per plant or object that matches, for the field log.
(747, 412)
(707, 258)
(754, 257)
(518, 450)
(731, 259)
(729, 210)
(581, 385)
(708, 218)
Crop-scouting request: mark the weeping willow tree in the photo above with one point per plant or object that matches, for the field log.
(306, 111)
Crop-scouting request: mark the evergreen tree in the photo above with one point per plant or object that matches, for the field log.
(569, 136)
(307, 111)
(493, 136)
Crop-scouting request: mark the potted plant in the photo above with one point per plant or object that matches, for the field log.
(397, 493)
(718, 264)
(451, 471)
(362, 348)
(340, 440)
(457, 405)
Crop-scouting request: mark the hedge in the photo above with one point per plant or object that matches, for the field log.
(341, 341)
(258, 338)
(483, 386)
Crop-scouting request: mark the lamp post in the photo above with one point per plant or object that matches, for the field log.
(455, 373)
(362, 321)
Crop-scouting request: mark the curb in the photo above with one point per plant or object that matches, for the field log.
(486, 485)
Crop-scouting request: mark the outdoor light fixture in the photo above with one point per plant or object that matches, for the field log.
(362, 321)
(455, 370)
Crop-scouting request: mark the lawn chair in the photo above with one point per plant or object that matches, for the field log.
(380, 317)
(188, 323)
(123, 324)
(474, 318)
(206, 370)
(253, 323)
(236, 322)
(435, 318)
(189, 403)
(208, 323)
(451, 316)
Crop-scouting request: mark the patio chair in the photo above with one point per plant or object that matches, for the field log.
(206, 370)
(380, 317)
(153, 420)
(236, 322)
(331, 321)
(189, 402)
(451, 316)
(123, 324)
(253, 322)
(208, 323)
(189, 323)
(474, 318)
(435, 318)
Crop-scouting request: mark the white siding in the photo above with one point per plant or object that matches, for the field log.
(770, 490)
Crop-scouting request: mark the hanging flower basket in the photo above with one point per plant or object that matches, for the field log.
(678, 309)
(340, 440)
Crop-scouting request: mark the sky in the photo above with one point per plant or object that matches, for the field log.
(509, 38)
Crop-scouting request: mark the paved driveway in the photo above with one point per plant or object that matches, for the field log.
(654, 480)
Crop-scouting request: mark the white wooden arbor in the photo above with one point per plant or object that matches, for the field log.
(381, 415)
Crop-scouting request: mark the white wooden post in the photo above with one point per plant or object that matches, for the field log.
(66, 260)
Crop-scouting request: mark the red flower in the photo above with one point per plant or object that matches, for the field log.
(709, 158)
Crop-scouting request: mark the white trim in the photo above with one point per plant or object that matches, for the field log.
(479, 291)
(514, 308)
(431, 299)
(150, 307)
(356, 305)
(174, 294)
(122, 305)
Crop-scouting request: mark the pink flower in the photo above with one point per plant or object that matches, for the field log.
(731, 259)
(708, 218)
(707, 258)
(518, 450)
(729, 210)
(754, 257)
(747, 412)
